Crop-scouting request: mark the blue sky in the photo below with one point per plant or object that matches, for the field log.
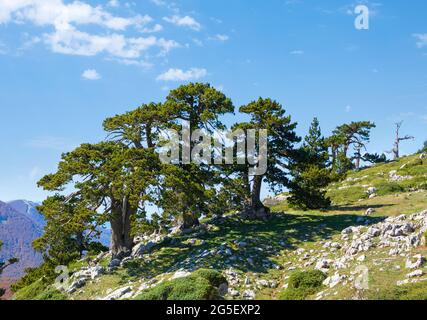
(65, 66)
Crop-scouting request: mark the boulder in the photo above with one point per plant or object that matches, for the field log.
(115, 263)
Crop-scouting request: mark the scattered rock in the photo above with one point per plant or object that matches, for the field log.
(180, 274)
(362, 258)
(419, 261)
(369, 211)
(232, 292)
(414, 274)
(119, 293)
(371, 191)
(334, 280)
(249, 294)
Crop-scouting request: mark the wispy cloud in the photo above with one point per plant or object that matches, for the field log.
(184, 21)
(220, 37)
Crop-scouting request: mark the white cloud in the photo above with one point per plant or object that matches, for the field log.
(74, 42)
(186, 21)
(57, 13)
(67, 38)
(421, 39)
(156, 28)
(347, 108)
(220, 37)
(180, 75)
(91, 74)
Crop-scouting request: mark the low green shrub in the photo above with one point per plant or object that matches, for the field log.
(201, 285)
(303, 284)
(385, 188)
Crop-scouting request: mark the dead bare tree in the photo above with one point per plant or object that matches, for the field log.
(398, 140)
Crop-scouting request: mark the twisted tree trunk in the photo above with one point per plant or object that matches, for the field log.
(121, 240)
(255, 209)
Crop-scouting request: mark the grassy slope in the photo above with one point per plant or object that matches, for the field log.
(274, 243)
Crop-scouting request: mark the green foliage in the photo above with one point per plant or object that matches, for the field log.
(94, 248)
(375, 158)
(269, 115)
(303, 284)
(32, 275)
(201, 285)
(31, 291)
(385, 188)
(356, 134)
(310, 172)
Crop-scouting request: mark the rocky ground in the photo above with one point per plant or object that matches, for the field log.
(371, 241)
(347, 258)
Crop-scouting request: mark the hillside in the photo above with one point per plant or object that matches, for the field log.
(369, 245)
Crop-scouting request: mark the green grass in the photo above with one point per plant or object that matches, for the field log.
(417, 291)
(201, 285)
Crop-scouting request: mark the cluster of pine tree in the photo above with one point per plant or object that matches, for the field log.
(114, 181)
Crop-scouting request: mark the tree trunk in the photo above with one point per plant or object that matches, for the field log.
(189, 221)
(255, 209)
(121, 241)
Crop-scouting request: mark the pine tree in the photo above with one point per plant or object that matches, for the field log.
(356, 134)
(112, 181)
(310, 172)
(266, 114)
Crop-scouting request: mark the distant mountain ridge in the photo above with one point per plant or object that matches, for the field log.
(20, 225)
(29, 208)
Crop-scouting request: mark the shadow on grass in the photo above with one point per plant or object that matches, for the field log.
(264, 241)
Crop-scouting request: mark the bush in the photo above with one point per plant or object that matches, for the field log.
(201, 285)
(385, 188)
(303, 284)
